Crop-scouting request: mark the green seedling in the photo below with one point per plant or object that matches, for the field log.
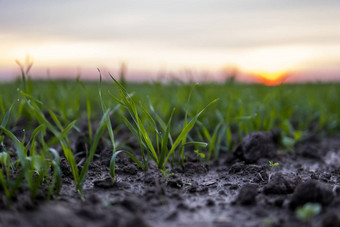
(25, 68)
(307, 211)
(35, 167)
(61, 133)
(109, 128)
(88, 110)
(272, 164)
(181, 150)
(290, 136)
(6, 163)
(55, 183)
(166, 173)
(5, 174)
(213, 140)
(156, 150)
(200, 154)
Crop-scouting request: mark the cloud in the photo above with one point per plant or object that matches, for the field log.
(187, 24)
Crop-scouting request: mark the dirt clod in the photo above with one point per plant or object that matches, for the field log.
(280, 184)
(331, 219)
(247, 194)
(103, 183)
(311, 191)
(257, 145)
(309, 150)
(130, 169)
(192, 168)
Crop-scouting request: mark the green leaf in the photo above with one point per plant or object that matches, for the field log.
(88, 110)
(71, 161)
(93, 148)
(141, 131)
(113, 162)
(120, 86)
(38, 164)
(2, 107)
(185, 131)
(55, 119)
(199, 144)
(298, 135)
(108, 121)
(157, 117)
(63, 134)
(38, 129)
(6, 118)
(202, 155)
(4, 185)
(307, 211)
(164, 146)
(57, 179)
(20, 150)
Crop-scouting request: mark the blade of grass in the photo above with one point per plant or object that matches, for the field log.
(4, 185)
(2, 106)
(164, 147)
(107, 120)
(56, 179)
(93, 148)
(88, 110)
(20, 151)
(113, 162)
(184, 132)
(6, 117)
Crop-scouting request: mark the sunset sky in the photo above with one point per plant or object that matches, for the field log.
(268, 38)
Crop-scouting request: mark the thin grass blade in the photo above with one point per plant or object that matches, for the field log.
(113, 162)
(185, 131)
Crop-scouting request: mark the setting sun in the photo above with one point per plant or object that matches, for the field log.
(271, 78)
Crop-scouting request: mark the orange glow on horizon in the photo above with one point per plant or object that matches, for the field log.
(270, 79)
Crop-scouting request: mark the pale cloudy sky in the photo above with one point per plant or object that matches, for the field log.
(257, 36)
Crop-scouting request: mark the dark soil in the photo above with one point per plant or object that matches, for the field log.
(240, 189)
